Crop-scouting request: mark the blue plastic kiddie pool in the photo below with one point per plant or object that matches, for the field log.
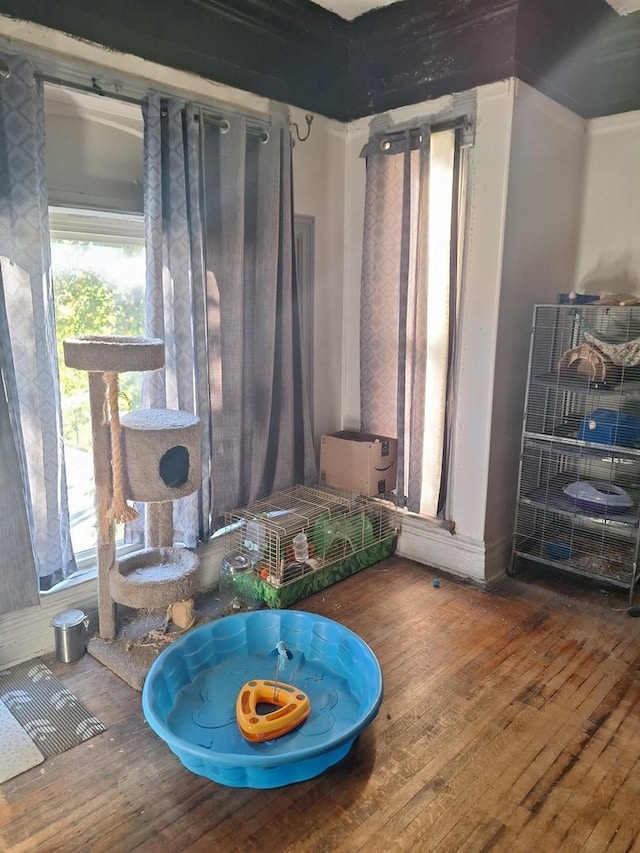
(189, 695)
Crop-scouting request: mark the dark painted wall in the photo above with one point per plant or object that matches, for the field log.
(408, 52)
(578, 52)
(290, 50)
(581, 53)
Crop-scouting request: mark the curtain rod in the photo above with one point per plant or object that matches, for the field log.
(458, 123)
(254, 127)
(398, 140)
(459, 115)
(81, 75)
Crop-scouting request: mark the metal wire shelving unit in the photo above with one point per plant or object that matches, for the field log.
(578, 505)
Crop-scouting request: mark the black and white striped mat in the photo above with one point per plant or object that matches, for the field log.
(51, 715)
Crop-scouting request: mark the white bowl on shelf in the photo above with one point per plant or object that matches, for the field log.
(598, 496)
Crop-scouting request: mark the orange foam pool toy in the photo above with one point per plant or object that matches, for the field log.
(288, 707)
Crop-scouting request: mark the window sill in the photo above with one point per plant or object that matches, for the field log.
(427, 520)
(210, 554)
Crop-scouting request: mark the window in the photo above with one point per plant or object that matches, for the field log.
(98, 265)
(94, 164)
(410, 281)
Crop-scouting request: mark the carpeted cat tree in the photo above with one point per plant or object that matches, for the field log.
(151, 456)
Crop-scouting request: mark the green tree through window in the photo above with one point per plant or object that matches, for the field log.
(99, 290)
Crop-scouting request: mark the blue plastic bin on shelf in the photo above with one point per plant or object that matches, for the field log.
(189, 696)
(558, 550)
(607, 426)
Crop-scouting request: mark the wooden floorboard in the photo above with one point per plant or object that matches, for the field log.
(510, 722)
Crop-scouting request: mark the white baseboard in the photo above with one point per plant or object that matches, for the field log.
(498, 557)
(26, 634)
(427, 542)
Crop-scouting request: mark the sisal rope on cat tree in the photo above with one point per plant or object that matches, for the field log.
(120, 510)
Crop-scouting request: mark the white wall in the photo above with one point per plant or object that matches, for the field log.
(609, 249)
(487, 188)
(319, 191)
(541, 232)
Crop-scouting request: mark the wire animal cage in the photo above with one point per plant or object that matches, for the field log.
(344, 533)
(579, 480)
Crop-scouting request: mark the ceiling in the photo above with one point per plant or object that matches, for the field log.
(350, 9)
(580, 53)
(625, 7)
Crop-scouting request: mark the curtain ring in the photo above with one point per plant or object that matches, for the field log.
(385, 145)
(265, 137)
(225, 126)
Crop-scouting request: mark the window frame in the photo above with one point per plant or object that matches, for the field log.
(106, 228)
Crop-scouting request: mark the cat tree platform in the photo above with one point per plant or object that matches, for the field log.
(154, 578)
(113, 353)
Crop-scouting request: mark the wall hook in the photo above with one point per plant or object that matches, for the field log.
(309, 119)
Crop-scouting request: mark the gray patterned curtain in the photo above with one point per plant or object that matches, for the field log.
(260, 417)
(175, 300)
(29, 341)
(393, 325)
(222, 293)
(18, 577)
(409, 305)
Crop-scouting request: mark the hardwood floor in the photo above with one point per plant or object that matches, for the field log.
(511, 722)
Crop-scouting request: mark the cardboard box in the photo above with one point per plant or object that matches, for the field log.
(358, 462)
